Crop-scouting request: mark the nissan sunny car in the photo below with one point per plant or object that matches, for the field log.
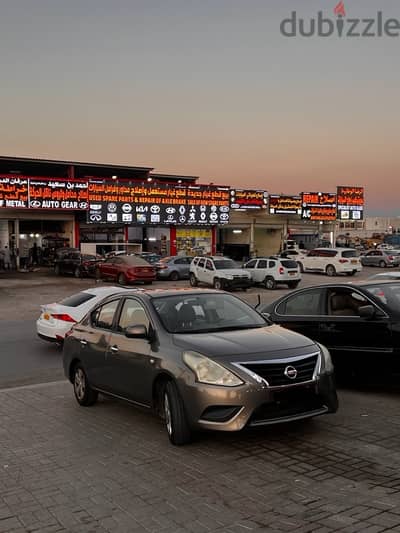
(202, 359)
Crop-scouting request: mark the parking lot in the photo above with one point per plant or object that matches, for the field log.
(110, 468)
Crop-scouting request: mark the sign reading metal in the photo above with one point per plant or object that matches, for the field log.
(157, 204)
(14, 192)
(318, 206)
(248, 199)
(350, 203)
(284, 205)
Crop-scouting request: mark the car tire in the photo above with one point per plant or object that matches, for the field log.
(382, 264)
(77, 272)
(84, 393)
(175, 417)
(301, 267)
(293, 284)
(269, 283)
(174, 276)
(57, 270)
(97, 274)
(193, 280)
(218, 284)
(121, 279)
(330, 271)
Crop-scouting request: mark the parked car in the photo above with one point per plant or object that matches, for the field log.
(126, 269)
(331, 261)
(149, 257)
(76, 263)
(271, 271)
(203, 359)
(219, 272)
(393, 275)
(56, 319)
(174, 267)
(380, 258)
(358, 322)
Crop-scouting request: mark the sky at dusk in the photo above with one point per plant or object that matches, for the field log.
(207, 88)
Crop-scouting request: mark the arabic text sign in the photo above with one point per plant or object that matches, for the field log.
(14, 192)
(350, 203)
(58, 194)
(318, 206)
(248, 199)
(284, 205)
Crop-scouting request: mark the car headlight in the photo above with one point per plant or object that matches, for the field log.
(210, 372)
(326, 360)
(229, 277)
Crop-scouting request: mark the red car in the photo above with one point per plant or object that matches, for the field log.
(126, 269)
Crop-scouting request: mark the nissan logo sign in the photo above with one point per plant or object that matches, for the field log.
(290, 372)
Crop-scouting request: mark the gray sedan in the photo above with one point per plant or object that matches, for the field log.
(174, 267)
(381, 258)
(202, 359)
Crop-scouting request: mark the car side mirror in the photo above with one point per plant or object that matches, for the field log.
(366, 311)
(138, 331)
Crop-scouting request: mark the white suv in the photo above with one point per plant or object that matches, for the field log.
(332, 261)
(273, 270)
(220, 272)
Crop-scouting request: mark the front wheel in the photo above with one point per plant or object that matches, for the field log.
(175, 417)
(84, 393)
(174, 276)
(193, 280)
(382, 264)
(218, 284)
(269, 283)
(330, 271)
(121, 279)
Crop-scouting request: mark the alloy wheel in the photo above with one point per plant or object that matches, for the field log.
(80, 384)
(167, 414)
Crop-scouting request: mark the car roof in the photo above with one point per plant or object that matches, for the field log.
(161, 293)
(105, 291)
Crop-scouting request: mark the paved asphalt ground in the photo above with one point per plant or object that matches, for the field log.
(110, 468)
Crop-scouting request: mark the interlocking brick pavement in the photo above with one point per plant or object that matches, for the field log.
(110, 468)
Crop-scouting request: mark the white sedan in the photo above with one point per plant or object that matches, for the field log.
(56, 319)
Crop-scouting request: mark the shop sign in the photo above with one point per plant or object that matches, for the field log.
(318, 206)
(157, 204)
(248, 199)
(14, 192)
(284, 205)
(58, 194)
(350, 203)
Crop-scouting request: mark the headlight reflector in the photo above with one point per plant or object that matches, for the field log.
(210, 372)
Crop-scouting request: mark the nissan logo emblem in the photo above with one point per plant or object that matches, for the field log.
(290, 372)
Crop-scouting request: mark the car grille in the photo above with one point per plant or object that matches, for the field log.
(274, 372)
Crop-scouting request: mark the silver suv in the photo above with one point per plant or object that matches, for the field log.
(273, 270)
(220, 272)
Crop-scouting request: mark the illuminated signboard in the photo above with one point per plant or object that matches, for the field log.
(58, 194)
(14, 192)
(284, 205)
(248, 199)
(318, 206)
(350, 203)
(157, 204)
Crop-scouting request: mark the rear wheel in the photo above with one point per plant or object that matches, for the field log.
(174, 415)
(218, 284)
(382, 264)
(293, 284)
(174, 276)
(269, 283)
(193, 280)
(330, 271)
(301, 266)
(351, 273)
(84, 393)
(77, 272)
(121, 279)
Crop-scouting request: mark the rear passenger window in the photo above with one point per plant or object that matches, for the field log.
(304, 303)
(262, 264)
(103, 316)
(271, 264)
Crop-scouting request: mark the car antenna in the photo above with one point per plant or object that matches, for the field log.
(258, 300)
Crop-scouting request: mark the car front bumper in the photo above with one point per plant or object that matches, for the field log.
(239, 283)
(232, 409)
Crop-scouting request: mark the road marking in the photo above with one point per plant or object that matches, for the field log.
(34, 386)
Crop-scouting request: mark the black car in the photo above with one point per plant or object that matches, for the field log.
(72, 261)
(203, 359)
(358, 322)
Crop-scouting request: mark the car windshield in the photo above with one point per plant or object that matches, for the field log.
(77, 299)
(205, 313)
(221, 264)
(387, 293)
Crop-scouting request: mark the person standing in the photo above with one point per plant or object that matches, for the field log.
(6, 258)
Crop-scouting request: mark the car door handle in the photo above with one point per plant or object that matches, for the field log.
(114, 349)
(83, 342)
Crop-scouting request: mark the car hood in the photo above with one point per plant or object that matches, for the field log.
(232, 272)
(245, 342)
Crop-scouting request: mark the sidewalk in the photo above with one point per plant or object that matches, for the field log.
(110, 468)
